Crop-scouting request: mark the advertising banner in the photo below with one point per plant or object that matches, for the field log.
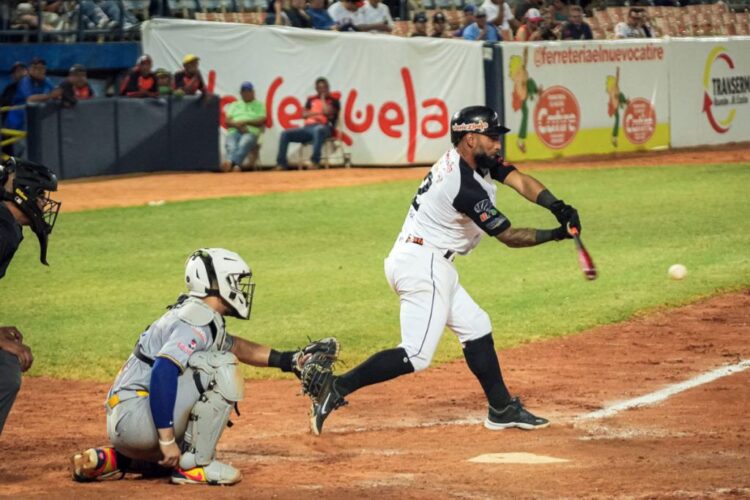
(710, 90)
(396, 94)
(578, 98)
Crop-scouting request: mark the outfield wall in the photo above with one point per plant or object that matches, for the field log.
(396, 94)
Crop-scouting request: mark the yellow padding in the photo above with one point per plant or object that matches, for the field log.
(115, 399)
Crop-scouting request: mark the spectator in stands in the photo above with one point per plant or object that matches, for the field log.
(438, 25)
(420, 25)
(188, 81)
(118, 13)
(25, 16)
(343, 14)
(32, 88)
(481, 29)
(140, 82)
(500, 16)
(646, 24)
(17, 72)
(632, 27)
(530, 31)
(469, 19)
(374, 16)
(576, 28)
(76, 87)
(93, 16)
(294, 15)
(549, 28)
(321, 19)
(164, 84)
(522, 7)
(559, 9)
(320, 115)
(245, 120)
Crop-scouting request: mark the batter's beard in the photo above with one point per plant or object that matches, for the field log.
(485, 162)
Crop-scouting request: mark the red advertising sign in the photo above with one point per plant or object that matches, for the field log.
(639, 123)
(557, 117)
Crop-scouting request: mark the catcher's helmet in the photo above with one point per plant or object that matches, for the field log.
(30, 190)
(477, 120)
(221, 273)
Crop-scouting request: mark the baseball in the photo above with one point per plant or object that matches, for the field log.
(677, 271)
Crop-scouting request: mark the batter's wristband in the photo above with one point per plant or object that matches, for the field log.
(281, 360)
(545, 199)
(167, 443)
(545, 235)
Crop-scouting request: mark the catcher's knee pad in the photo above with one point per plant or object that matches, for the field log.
(210, 414)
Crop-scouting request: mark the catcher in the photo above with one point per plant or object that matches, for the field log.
(172, 399)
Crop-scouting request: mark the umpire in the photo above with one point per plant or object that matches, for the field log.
(25, 188)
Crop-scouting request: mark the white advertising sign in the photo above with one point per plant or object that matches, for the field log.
(396, 94)
(710, 90)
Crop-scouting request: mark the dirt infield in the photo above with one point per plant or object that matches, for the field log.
(414, 437)
(139, 190)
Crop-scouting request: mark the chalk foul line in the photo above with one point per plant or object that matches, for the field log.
(667, 392)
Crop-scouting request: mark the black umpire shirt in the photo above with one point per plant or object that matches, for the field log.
(10, 237)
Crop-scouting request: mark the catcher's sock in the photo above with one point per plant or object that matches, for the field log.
(382, 366)
(482, 360)
(123, 462)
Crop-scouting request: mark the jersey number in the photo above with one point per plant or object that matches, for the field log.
(423, 188)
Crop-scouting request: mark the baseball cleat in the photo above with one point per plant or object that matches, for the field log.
(215, 473)
(513, 415)
(94, 464)
(328, 400)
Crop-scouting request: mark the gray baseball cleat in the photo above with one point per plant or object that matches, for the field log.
(214, 473)
(513, 415)
(328, 400)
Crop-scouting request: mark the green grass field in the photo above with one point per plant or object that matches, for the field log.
(318, 263)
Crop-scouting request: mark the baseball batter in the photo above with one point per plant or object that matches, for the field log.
(173, 397)
(453, 208)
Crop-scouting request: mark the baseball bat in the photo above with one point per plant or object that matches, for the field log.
(584, 258)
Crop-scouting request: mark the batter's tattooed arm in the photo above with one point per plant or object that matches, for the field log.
(526, 237)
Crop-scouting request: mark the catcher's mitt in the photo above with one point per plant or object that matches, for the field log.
(328, 346)
(317, 374)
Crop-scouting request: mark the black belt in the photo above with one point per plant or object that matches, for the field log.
(420, 241)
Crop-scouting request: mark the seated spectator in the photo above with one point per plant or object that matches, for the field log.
(140, 82)
(321, 19)
(93, 16)
(420, 25)
(481, 29)
(17, 72)
(559, 9)
(188, 81)
(500, 16)
(632, 27)
(76, 87)
(25, 16)
(469, 19)
(438, 25)
(522, 7)
(374, 16)
(576, 28)
(118, 13)
(530, 31)
(646, 24)
(34, 87)
(343, 14)
(549, 28)
(164, 84)
(245, 120)
(294, 15)
(320, 115)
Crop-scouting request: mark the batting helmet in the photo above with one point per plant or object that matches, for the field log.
(29, 190)
(221, 273)
(477, 120)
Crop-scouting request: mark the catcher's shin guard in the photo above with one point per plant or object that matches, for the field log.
(210, 415)
(95, 464)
